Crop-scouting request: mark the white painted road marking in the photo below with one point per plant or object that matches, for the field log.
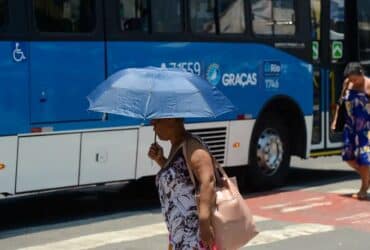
(292, 231)
(114, 237)
(260, 219)
(305, 207)
(106, 238)
(354, 217)
(137, 233)
(279, 205)
(360, 218)
(344, 191)
(319, 198)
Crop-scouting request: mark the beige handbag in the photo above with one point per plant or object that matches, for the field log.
(231, 219)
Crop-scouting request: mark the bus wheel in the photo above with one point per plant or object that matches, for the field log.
(269, 156)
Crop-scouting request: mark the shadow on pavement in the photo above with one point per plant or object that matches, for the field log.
(365, 199)
(317, 177)
(300, 178)
(34, 213)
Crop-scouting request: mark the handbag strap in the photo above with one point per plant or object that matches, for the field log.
(170, 157)
(216, 166)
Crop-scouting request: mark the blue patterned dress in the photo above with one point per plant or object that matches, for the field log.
(356, 132)
(177, 197)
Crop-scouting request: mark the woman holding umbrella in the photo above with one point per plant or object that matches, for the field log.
(166, 97)
(188, 228)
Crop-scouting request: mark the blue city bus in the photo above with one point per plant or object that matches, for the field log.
(262, 54)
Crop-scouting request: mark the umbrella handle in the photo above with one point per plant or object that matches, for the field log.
(155, 137)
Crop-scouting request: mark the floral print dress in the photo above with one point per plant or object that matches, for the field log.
(177, 197)
(356, 132)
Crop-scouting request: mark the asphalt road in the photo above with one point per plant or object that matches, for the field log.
(313, 211)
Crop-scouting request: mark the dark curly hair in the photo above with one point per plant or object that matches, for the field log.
(353, 68)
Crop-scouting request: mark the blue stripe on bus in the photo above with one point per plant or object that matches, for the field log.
(249, 74)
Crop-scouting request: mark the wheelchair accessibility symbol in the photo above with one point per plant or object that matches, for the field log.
(18, 53)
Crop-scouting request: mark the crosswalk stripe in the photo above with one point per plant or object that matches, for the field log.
(305, 188)
(288, 232)
(344, 191)
(114, 237)
(106, 238)
(359, 216)
(137, 233)
(257, 218)
(274, 206)
(305, 207)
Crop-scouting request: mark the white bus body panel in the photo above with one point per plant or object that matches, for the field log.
(205, 125)
(108, 156)
(8, 156)
(240, 133)
(47, 162)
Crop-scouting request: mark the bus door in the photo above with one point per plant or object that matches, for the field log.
(363, 25)
(318, 109)
(342, 47)
(334, 45)
(68, 59)
(14, 59)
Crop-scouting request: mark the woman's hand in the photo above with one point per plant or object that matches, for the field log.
(206, 234)
(333, 125)
(156, 154)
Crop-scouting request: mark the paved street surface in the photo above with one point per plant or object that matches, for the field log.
(313, 211)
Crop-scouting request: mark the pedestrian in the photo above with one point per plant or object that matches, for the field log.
(356, 131)
(189, 226)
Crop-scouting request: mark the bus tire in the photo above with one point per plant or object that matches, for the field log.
(269, 155)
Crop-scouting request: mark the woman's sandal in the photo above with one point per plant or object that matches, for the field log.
(360, 196)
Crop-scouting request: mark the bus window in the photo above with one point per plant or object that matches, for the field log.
(3, 13)
(284, 17)
(202, 16)
(69, 16)
(231, 16)
(316, 19)
(337, 20)
(134, 15)
(167, 16)
(273, 17)
(364, 30)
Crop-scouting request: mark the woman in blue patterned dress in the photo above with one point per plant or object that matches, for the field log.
(189, 227)
(356, 132)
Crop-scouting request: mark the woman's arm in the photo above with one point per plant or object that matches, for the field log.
(342, 93)
(345, 86)
(201, 164)
(333, 125)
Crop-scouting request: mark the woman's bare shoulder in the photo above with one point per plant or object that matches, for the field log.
(194, 143)
(195, 147)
